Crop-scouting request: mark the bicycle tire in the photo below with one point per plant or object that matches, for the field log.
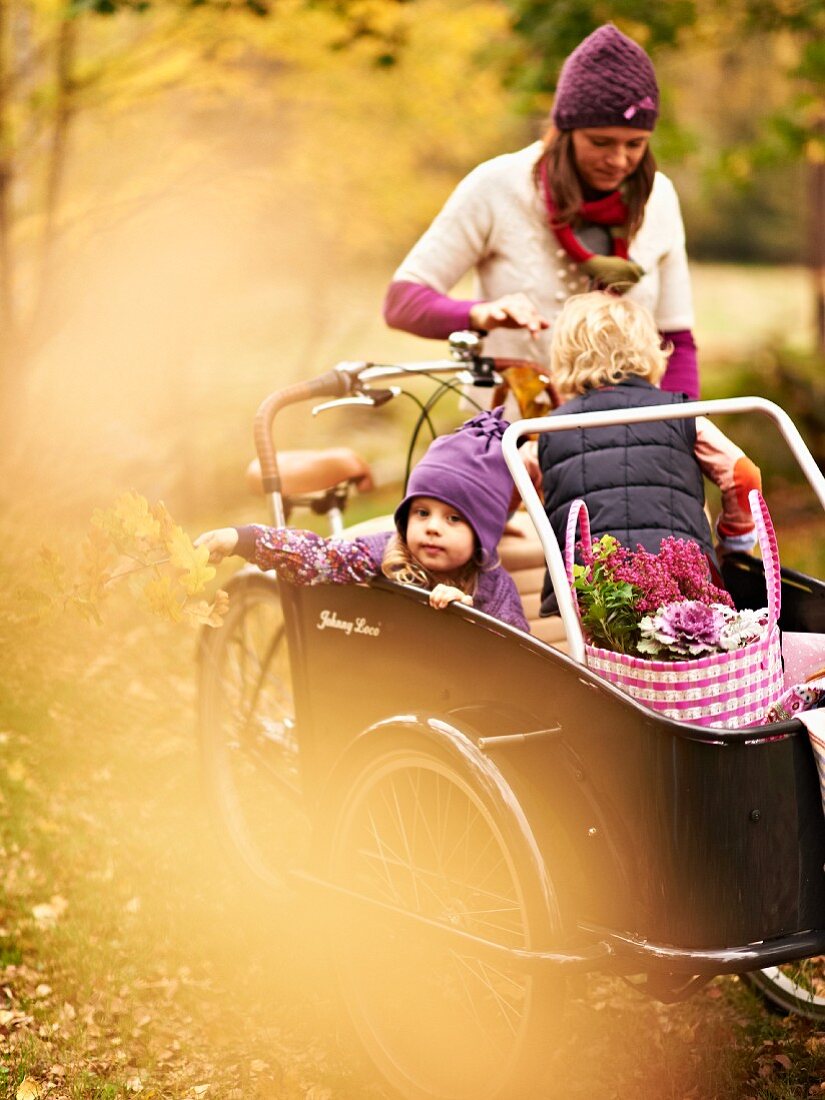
(249, 750)
(796, 988)
(437, 1022)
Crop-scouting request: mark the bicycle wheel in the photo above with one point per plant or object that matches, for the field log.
(437, 1020)
(248, 739)
(797, 987)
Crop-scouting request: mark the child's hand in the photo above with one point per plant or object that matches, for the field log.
(221, 543)
(444, 594)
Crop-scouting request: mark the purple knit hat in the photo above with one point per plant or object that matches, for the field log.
(608, 80)
(466, 469)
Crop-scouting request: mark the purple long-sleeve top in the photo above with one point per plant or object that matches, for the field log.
(422, 311)
(305, 558)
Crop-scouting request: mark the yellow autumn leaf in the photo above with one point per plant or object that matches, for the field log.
(98, 553)
(204, 613)
(166, 524)
(192, 560)
(134, 513)
(105, 521)
(97, 564)
(160, 599)
(86, 604)
(51, 567)
(28, 1089)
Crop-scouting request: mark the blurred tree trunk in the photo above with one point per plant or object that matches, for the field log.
(816, 234)
(20, 321)
(7, 317)
(64, 60)
(8, 314)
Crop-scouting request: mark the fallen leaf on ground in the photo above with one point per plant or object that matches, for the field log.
(48, 913)
(28, 1089)
(134, 1084)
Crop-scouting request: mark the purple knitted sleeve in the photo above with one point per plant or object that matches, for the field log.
(416, 308)
(302, 557)
(497, 595)
(682, 372)
(305, 558)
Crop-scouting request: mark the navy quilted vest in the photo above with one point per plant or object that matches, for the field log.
(641, 482)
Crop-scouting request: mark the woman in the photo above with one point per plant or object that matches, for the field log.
(584, 208)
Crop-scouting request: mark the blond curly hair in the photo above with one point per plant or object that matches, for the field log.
(599, 339)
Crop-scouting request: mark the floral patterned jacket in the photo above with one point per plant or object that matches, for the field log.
(303, 557)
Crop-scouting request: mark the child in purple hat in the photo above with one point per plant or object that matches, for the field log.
(448, 527)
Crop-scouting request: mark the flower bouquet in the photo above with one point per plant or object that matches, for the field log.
(659, 628)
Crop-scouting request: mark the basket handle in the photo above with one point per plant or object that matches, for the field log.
(766, 537)
(576, 517)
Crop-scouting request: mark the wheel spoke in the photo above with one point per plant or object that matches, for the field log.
(249, 742)
(400, 824)
(413, 832)
(506, 1011)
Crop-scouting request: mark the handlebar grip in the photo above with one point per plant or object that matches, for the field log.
(334, 383)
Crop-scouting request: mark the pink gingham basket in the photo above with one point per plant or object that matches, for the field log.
(725, 690)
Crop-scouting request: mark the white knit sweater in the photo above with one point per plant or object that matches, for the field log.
(495, 222)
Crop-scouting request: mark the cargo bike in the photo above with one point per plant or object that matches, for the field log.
(485, 816)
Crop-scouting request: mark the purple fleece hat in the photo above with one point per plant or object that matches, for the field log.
(608, 80)
(466, 469)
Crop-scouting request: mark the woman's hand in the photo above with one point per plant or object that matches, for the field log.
(511, 311)
(221, 543)
(445, 594)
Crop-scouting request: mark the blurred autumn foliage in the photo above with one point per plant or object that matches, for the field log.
(131, 542)
(189, 182)
(202, 201)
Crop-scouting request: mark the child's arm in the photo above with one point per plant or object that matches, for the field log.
(301, 557)
(445, 594)
(728, 467)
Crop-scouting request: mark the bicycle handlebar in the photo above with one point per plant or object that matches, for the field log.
(351, 378)
(335, 383)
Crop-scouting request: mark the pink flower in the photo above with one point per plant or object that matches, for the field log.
(690, 625)
(656, 602)
(680, 571)
(647, 573)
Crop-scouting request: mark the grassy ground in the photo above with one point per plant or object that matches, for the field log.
(727, 322)
(132, 961)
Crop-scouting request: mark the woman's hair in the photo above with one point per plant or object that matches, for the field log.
(566, 187)
(399, 565)
(599, 339)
